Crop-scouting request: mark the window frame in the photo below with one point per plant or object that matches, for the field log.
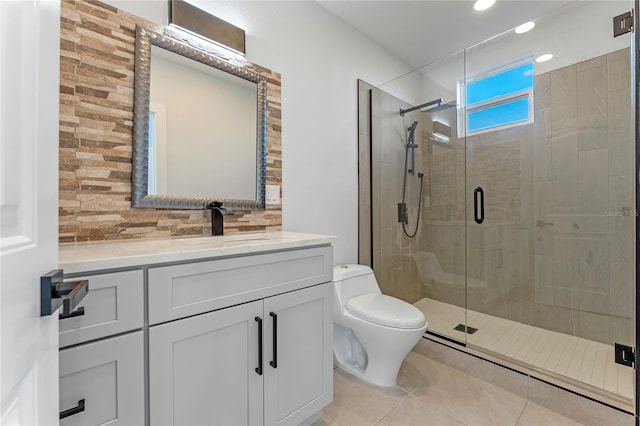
(527, 93)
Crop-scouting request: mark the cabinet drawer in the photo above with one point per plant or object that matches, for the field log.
(182, 290)
(108, 377)
(113, 305)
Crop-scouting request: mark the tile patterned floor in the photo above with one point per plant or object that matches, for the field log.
(574, 357)
(430, 393)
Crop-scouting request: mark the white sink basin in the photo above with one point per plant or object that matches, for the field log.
(219, 239)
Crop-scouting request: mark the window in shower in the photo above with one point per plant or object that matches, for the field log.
(501, 99)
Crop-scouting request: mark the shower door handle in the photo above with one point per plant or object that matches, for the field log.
(478, 205)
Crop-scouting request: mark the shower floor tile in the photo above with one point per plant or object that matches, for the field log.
(579, 359)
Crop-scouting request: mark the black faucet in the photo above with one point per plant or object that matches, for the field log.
(217, 214)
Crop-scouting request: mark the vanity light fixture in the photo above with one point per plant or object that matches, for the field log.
(527, 26)
(197, 22)
(544, 58)
(480, 5)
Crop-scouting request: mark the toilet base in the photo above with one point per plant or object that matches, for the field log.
(382, 375)
(381, 364)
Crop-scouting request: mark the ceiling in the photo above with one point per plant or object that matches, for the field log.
(420, 32)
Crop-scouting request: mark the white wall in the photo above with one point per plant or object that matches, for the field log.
(320, 59)
(575, 33)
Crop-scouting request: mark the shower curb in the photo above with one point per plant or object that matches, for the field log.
(526, 383)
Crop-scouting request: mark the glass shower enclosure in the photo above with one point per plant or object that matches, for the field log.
(497, 195)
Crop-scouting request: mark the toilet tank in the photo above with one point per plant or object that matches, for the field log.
(351, 281)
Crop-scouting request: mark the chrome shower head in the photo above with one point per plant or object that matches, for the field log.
(440, 107)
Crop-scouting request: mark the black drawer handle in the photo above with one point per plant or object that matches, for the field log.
(259, 368)
(71, 411)
(478, 215)
(274, 363)
(77, 313)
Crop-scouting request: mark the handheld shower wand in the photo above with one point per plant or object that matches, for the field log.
(411, 145)
(403, 216)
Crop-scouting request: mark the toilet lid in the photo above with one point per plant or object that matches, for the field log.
(386, 310)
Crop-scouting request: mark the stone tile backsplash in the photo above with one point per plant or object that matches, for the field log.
(96, 136)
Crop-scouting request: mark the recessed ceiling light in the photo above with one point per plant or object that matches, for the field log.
(527, 26)
(544, 58)
(483, 4)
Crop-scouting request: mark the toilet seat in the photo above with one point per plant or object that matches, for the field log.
(386, 310)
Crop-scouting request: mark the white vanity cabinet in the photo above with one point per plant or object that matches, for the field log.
(209, 369)
(103, 382)
(229, 332)
(102, 356)
(259, 361)
(202, 369)
(298, 378)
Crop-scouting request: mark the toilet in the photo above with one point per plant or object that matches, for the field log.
(373, 333)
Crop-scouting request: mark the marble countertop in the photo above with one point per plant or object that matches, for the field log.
(100, 255)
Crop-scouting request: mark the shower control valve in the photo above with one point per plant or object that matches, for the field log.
(403, 216)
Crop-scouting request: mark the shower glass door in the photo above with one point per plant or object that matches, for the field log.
(521, 197)
(422, 261)
(550, 198)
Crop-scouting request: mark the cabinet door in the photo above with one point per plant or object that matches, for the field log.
(108, 377)
(202, 369)
(300, 383)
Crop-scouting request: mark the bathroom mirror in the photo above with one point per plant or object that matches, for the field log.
(199, 128)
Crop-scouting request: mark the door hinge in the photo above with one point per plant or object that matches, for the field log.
(622, 24)
(624, 355)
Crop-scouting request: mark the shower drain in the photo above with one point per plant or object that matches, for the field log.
(464, 328)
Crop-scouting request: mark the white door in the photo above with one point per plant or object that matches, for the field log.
(29, 81)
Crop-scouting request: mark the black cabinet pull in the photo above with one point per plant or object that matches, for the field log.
(77, 313)
(274, 363)
(71, 411)
(259, 368)
(478, 215)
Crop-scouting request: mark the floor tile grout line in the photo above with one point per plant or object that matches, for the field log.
(330, 417)
(405, 394)
(394, 407)
(483, 382)
(524, 407)
(424, 401)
